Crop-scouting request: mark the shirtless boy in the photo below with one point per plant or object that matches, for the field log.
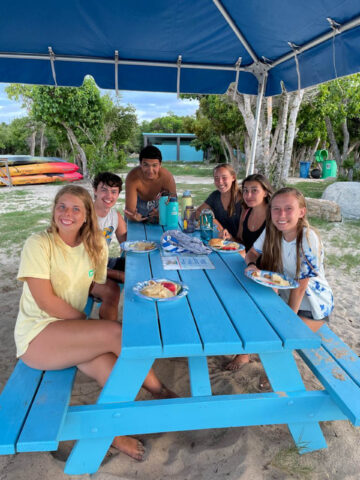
(107, 188)
(144, 183)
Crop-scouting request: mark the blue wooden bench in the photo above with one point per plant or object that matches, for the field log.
(338, 369)
(33, 406)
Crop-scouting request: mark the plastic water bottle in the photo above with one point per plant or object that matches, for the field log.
(206, 224)
(186, 201)
(162, 208)
(189, 220)
(172, 213)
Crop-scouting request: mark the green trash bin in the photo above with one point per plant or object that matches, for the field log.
(329, 168)
(321, 155)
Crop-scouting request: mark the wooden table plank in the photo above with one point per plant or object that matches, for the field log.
(141, 335)
(285, 322)
(216, 329)
(135, 231)
(252, 326)
(178, 330)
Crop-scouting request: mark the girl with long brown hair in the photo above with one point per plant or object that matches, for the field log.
(256, 194)
(58, 267)
(225, 202)
(292, 247)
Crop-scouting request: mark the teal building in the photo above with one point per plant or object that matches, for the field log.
(175, 147)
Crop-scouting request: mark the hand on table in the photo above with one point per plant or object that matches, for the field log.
(136, 217)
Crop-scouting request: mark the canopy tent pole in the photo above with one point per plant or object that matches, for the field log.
(238, 63)
(116, 72)
(178, 76)
(52, 61)
(236, 30)
(261, 90)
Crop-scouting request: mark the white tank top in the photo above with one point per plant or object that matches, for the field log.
(109, 224)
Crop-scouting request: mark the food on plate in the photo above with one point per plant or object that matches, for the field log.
(143, 246)
(216, 242)
(276, 278)
(230, 246)
(220, 244)
(162, 289)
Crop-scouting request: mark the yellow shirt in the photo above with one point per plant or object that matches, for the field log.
(71, 273)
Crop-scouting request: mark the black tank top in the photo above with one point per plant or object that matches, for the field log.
(249, 237)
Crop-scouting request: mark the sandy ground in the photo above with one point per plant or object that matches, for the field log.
(248, 453)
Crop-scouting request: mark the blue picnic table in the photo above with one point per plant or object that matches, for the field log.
(224, 313)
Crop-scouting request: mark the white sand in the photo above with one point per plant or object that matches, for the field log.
(249, 453)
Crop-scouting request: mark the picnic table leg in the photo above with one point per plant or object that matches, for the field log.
(199, 376)
(124, 383)
(284, 376)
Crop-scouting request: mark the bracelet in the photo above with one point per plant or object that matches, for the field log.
(251, 263)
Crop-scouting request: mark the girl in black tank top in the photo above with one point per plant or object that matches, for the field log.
(249, 237)
(256, 192)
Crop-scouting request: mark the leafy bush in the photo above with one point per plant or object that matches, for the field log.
(104, 161)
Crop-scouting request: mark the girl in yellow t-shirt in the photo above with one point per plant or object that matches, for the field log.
(58, 268)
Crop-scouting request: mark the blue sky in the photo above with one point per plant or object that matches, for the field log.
(148, 105)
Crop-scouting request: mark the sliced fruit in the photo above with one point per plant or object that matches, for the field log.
(170, 286)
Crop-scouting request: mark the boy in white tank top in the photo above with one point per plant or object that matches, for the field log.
(107, 188)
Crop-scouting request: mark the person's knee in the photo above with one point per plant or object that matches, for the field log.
(112, 331)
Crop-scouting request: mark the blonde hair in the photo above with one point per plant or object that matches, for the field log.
(235, 191)
(90, 234)
(271, 258)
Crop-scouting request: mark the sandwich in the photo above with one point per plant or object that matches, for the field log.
(216, 242)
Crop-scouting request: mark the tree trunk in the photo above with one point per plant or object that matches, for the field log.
(42, 141)
(81, 152)
(280, 149)
(224, 149)
(247, 148)
(333, 143)
(291, 130)
(32, 142)
(230, 150)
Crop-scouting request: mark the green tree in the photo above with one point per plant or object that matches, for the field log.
(219, 128)
(92, 125)
(339, 103)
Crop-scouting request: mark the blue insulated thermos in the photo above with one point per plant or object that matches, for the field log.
(162, 208)
(172, 213)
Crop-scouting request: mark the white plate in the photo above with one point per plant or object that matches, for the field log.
(140, 285)
(226, 242)
(131, 246)
(267, 281)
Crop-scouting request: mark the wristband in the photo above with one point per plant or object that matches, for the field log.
(251, 263)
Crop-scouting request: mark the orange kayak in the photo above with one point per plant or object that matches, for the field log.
(45, 178)
(36, 168)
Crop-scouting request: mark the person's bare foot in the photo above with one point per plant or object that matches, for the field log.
(238, 362)
(131, 446)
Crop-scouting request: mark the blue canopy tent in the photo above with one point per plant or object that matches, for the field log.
(183, 46)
